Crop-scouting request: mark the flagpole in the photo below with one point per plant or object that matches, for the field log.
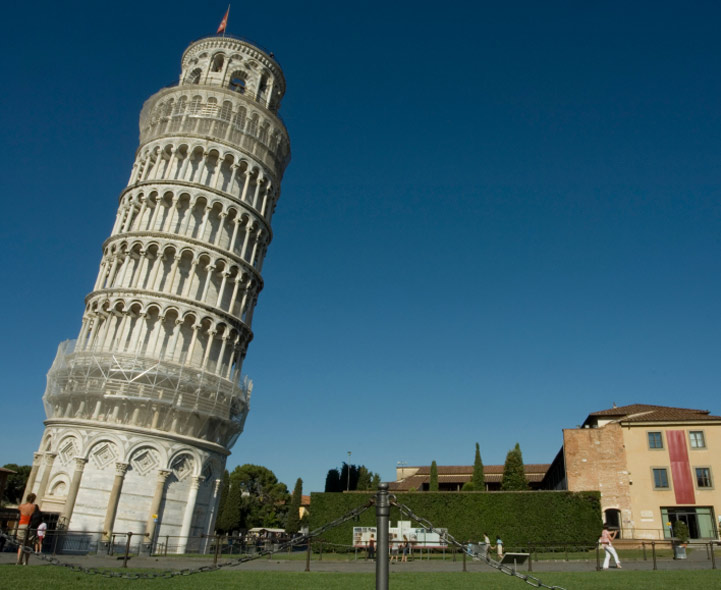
(227, 15)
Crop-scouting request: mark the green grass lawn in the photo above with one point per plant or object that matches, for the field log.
(62, 579)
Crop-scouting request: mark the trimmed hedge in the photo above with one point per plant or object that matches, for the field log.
(520, 518)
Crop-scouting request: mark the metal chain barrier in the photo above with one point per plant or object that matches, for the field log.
(501, 567)
(300, 540)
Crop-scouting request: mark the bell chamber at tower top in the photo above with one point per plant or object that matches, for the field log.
(228, 91)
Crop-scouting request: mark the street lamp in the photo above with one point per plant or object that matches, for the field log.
(348, 484)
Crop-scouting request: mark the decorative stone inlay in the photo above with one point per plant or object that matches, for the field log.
(182, 467)
(68, 451)
(145, 461)
(103, 455)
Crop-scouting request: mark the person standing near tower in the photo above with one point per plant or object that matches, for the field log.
(24, 533)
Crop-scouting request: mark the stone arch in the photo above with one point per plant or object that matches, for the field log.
(216, 64)
(194, 76)
(238, 81)
(58, 485)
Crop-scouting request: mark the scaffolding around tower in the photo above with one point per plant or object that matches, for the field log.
(146, 393)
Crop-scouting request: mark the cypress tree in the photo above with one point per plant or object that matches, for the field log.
(433, 486)
(478, 479)
(293, 523)
(332, 481)
(230, 519)
(514, 475)
(224, 489)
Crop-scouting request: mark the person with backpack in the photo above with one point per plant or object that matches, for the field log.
(25, 527)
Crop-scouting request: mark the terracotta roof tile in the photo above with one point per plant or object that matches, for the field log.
(651, 413)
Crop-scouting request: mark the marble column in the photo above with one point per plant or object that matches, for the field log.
(154, 515)
(72, 492)
(213, 516)
(120, 471)
(37, 458)
(48, 461)
(189, 511)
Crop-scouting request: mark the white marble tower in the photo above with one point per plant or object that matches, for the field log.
(143, 408)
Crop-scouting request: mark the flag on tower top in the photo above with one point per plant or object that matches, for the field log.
(223, 23)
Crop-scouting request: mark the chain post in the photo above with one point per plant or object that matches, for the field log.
(217, 549)
(383, 510)
(464, 562)
(598, 557)
(713, 557)
(307, 556)
(653, 552)
(127, 550)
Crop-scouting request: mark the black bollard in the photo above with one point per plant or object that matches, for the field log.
(383, 511)
(653, 553)
(127, 550)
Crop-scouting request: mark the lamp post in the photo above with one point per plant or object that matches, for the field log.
(347, 489)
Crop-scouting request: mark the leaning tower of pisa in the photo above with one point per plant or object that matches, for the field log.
(143, 408)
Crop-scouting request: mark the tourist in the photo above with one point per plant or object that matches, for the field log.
(605, 540)
(24, 533)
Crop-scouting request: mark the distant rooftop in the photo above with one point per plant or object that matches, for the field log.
(651, 413)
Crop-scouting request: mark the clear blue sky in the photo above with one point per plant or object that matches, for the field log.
(498, 217)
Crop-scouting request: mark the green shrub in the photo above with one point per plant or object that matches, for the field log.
(520, 518)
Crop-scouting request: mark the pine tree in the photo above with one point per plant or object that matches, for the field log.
(478, 479)
(433, 486)
(514, 475)
(293, 523)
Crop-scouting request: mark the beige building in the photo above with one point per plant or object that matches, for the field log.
(652, 464)
(451, 478)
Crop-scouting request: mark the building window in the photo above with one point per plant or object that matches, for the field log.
(703, 477)
(660, 478)
(655, 440)
(697, 439)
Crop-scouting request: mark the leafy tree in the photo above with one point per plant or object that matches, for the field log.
(332, 481)
(293, 522)
(15, 483)
(468, 487)
(433, 486)
(375, 480)
(478, 479)
(256, 498)
(514, 475)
